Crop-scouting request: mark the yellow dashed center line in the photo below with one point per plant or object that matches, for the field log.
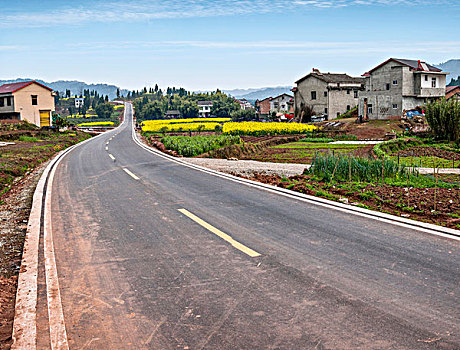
(219, 233)
(131, 174)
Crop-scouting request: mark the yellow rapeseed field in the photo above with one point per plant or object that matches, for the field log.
(272, 128)
(96, 124)
(172, 127)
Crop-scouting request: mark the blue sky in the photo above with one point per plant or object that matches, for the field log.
(202, 44)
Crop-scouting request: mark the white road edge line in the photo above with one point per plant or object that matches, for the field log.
(107, 149)
(130, 174)
(25, 317)
(58, 334)
(111, 157)
(370, 214)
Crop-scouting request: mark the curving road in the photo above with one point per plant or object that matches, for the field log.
(151, 254)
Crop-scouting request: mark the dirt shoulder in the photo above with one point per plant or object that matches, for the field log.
(21, 165)
(14, 214)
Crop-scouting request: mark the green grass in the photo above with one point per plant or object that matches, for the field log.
(427, 162)
(28, 139)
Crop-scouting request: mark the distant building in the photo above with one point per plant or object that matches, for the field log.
(245, 104)
(329, 94)
(172, 114)
(281, 103)
(204, 108)
(79, 101)
(398, 85)
(30, 101)
(263, 107)
(453, 92)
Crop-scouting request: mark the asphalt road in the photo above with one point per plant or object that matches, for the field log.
(136, 271)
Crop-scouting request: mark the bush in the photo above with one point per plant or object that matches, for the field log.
(444, 119)
(363, 170)
(190, 146)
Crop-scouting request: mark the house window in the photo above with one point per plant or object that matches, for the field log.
(395, 82)
(395, 105)
(325, 110)
(348, 92)
(8, 101)
(325, 93)
(433, 82)
(348, 107)
(34, 100)
(313, 95)
(355, 94)
(369, 109)
(387, 86)
(426, 77)
(2, 103)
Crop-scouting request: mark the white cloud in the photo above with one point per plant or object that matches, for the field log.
(144, 10)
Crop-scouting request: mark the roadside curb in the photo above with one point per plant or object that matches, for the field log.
(25, 316)
(388, 218)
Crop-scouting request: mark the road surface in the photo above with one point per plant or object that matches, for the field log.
(151, 254)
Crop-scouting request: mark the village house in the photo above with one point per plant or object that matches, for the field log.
(204, 108)
(399, 85)
(328, 94)
(173, 114)
(453, 92)
(263, 108)
(79, 102)
(281, 103)
(244, 104)
(30, 101)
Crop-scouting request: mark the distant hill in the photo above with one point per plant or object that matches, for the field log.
(451, 66)
(261, 93)
(75, 87)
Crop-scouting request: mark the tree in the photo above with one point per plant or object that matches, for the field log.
(104, 110)
(118, 93)
(444, 119)
(156, 87)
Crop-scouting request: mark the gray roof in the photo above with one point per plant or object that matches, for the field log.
(204, 103)
(410, 63)
(172, 112)
(333, 78)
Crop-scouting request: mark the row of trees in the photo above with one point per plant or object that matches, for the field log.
(154, 105)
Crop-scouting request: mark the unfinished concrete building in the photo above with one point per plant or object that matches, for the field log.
(398, 85)
(329, 94)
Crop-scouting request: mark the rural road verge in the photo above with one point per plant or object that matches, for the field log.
(24, 325)
(411, 224)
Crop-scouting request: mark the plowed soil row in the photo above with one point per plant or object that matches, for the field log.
(412, 203)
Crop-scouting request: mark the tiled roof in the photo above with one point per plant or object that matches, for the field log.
(451, 88)
(333, 78)
(204, 103)
(13, 87)
(409, 63)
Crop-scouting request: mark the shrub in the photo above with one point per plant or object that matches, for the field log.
(444, 119)
(190, 146)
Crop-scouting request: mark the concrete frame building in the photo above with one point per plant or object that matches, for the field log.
(329, 94)
(204, 108)
(30, 101)
(281, 103)
(398, 85)
(263, 107)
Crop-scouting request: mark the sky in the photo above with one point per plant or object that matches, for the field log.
(204, 45)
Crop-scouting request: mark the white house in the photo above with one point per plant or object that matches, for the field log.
(204, 108)
(79, 101)
(281, 103)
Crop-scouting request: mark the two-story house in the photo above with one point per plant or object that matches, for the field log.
(29, 101)
(204, 108)
(281, 103)
(398, 85)
(245, 104)
(328, 94)
(263, 107)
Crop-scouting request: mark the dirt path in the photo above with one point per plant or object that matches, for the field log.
(15, 207)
